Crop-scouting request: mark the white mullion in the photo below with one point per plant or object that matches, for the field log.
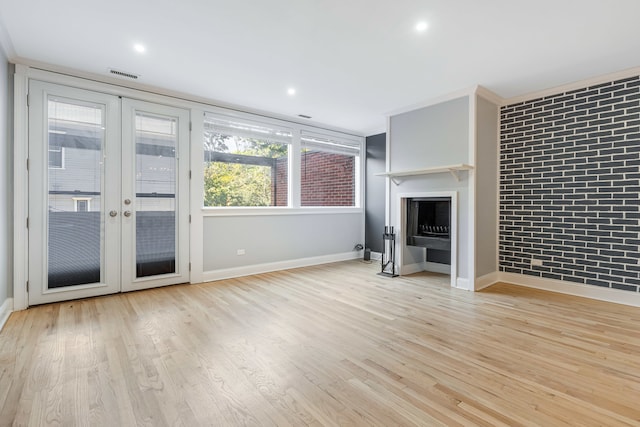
(295, 174)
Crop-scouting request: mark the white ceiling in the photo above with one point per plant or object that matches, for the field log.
(351, 61)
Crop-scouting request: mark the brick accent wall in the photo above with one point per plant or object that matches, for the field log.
(570, 186)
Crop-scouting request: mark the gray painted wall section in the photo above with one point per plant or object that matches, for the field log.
(6, 179)
(433, 136)
(486, 187)
(376, 147)
(268, 239)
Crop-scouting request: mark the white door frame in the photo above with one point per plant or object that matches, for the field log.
(39, 192)
(23, 74)
(181, 275)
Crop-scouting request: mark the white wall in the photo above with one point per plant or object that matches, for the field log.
(278, 238)
(433, 136)
(6, 180)
(486, 187)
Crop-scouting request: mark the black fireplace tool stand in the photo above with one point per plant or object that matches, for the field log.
(388, 260)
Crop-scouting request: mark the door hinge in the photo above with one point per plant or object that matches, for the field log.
(27, 164)
(190, 126)
(189, 266)
(189, 219)
(27, 286)
(189, 174)
(28, 99)
(27, 222)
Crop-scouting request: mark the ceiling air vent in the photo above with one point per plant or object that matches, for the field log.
(124, 74)
(304, 116)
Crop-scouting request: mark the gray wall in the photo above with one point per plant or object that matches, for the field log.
(6, 178)
(429, 137)
(375, 191)
(268, 239)
(486, 187)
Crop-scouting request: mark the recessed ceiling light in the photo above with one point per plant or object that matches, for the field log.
(291, 91)
(421, 26)
(139, 48)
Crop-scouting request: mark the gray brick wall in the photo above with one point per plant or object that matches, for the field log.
(570, 186)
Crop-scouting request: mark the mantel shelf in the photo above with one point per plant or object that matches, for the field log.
(453, 170)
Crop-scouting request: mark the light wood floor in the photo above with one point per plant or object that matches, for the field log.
(323, 346)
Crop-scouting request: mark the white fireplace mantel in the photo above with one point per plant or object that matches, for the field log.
(452, 169)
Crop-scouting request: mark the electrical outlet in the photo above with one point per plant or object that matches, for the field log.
(240, 252)
(536, 262)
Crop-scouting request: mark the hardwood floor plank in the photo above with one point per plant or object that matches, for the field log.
(329, 345)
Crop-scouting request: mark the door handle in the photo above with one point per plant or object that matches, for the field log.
(127, 213)
(127, 201)
(113, 213)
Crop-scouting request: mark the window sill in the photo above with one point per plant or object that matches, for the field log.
(273, 211)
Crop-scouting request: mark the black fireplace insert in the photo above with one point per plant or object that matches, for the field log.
(429, 223)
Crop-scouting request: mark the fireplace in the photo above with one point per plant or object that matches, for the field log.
(429, 226)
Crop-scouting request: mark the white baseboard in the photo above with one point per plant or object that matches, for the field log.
(230, 273)
(462, 283)
(5, 310)
(376, 256)
(487, 280)
(586, 291)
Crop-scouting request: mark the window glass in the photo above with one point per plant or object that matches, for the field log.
(329, 171)
(246, 162)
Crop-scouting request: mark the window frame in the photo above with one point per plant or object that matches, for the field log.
(257, 122)
(62, 156)
(81, 199)
(294, 169)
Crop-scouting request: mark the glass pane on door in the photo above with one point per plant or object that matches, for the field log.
(76, 135)
(155, 180)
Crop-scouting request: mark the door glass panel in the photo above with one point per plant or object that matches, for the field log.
(156, 140)
(76, 134)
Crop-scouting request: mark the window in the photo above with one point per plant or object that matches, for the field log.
(329, 170)
(56, 157)
(246, 162)
(82, 205)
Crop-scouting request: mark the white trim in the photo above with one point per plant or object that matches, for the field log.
(376, 256)
(20, 188)
(230, 273)
(463, 284)
(434, 101)
(452, 169)
(498, 154)
(275, 211)
(196, 186)
(489, 95)
(5, 311)
(473, 146)
(586, 291)
(486, 281)
(580, 84)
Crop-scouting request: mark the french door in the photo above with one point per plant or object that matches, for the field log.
(108, 188)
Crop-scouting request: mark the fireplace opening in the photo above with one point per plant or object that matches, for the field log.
(429, 226)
